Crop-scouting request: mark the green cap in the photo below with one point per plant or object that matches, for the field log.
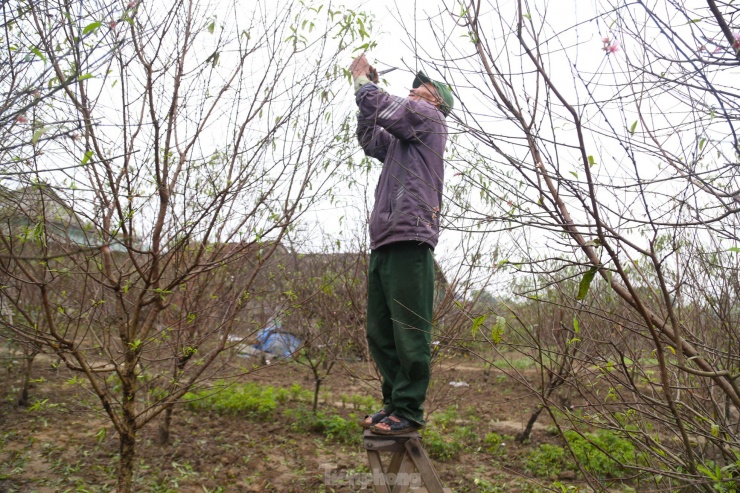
(443, 90)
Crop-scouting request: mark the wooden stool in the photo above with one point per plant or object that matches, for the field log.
(408, 455)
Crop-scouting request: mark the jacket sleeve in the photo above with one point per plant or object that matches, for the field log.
(400, 117)
(373, 139)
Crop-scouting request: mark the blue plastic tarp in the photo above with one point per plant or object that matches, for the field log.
(272, 340)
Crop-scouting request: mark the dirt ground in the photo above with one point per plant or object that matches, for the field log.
(66, 443)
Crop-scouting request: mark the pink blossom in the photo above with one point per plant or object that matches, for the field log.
(112, 24)
(131, 4)
(36, 93)
(21, 119)
(736, 43)
(610, 46)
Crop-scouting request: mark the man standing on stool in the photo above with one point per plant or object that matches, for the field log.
(408, 135)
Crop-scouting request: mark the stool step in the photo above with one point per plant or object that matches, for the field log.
(408, 455)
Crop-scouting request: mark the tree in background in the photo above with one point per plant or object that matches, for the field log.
(603, 146)
(184, 141)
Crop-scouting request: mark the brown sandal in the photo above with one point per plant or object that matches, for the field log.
(398, 425)
(375, 418)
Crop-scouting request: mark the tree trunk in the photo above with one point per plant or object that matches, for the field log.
(316, 395)
(524, 436)
(23, 395)
(127, 461)
(163, 434)
(127, 436)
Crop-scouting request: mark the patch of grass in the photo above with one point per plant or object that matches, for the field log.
(522, 363)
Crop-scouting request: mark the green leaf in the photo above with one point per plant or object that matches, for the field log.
(701, 144)
(633, 127)
(735, 249)
(38, 53)
(576, 325)
(586, 283)
(84, 77)
(91, 27)
(591, 162)
(87, 157)
(101, 434)
(574, 174)
(498, 330)
(527, 16)
(212, 27)
(37, 135)
(477, 322)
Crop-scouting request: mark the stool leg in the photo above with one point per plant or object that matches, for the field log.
(421, 461)
(380, 485)
(403, 474)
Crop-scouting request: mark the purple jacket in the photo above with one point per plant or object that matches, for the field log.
(409, 137)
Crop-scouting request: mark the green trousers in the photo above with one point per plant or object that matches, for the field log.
(400, 294)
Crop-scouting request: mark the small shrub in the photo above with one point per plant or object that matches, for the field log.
(546, 460)
(438, 447)
(494, 444)
(342, 430)
(303, 419)
(334, 427)
(299, 394)
(364, 403)
(249, 400)
(446, 418)
(465, 435)
(590, 449)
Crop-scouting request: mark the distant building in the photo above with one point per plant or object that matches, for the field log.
(38, 213)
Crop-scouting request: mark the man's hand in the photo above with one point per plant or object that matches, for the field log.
(360, 67)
